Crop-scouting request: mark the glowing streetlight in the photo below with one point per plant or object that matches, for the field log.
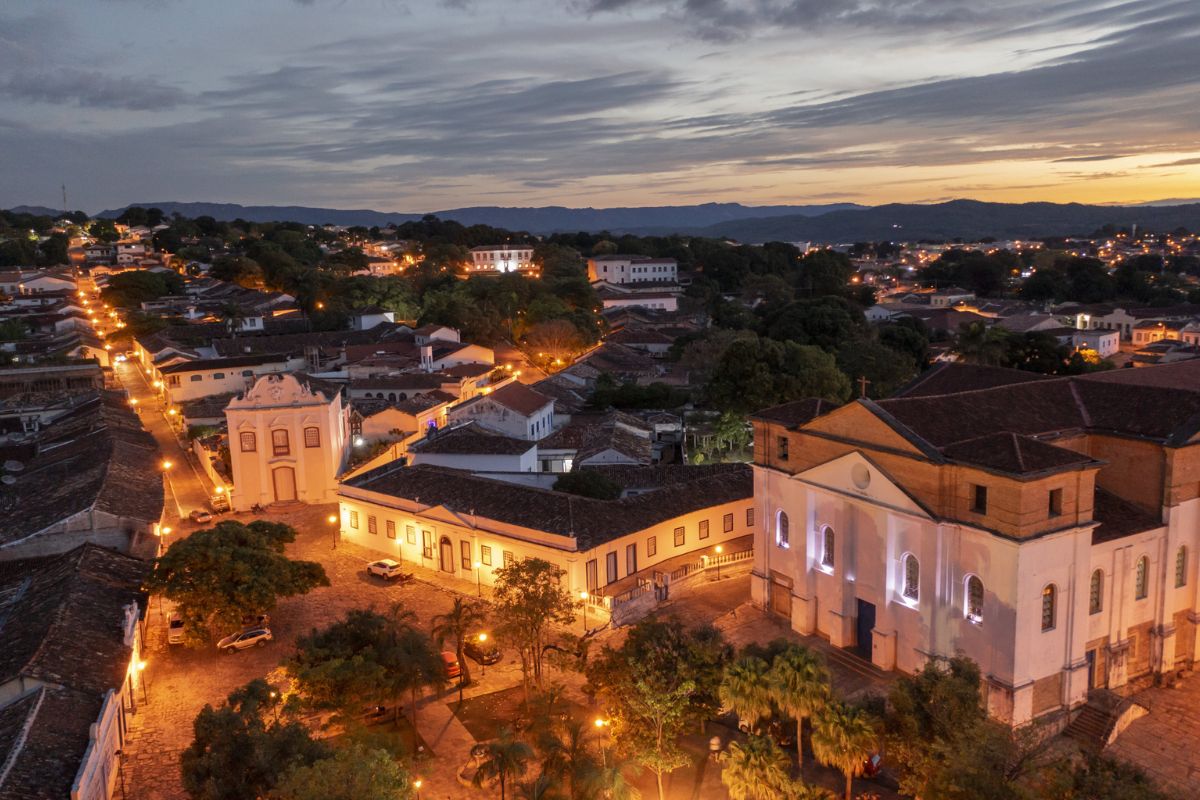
(720, 550)
(332, 519)
(584, 597)
(601, 733)
(141, 670)
(479, 582)
(166, 465)
(417, 785)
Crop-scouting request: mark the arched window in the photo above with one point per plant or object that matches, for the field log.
(1096, 593)
(1181, 567)
(912, 577)
(782, 532)
(973, 599)
(1141, 580)
(1049, 600)
(828, 541)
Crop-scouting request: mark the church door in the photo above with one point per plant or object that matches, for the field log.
(285, 484)
(446, 555)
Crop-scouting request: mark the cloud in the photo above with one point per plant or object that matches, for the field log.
(92, 89)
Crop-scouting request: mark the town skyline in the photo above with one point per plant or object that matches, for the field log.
(601, 103)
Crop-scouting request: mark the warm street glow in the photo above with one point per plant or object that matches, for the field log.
(141, 665)
(483, 637)
(167, 465)
(583, 595)
(332, 519)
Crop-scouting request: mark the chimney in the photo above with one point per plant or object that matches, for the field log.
(427, 357)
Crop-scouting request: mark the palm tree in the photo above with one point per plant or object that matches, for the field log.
(565, 756)
(977, 344)
(755, 770)
(463, 619)
(541, 788)
(844, 738)
(503, 757)
(800, 687)
(746, 689)
(610, 783)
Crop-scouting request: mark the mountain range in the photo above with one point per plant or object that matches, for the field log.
(968, 220)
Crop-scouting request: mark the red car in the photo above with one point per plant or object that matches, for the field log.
(453, 668)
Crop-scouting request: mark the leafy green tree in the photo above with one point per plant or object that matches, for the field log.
(352, 773)
(822, 273)
(755, 769)
(843, 738)
(13, 330)
(528, 599)
(885, 369)
(1100, 778)
(800, 686)
(567, 759)
(134, 287)
(462, 620)
(216, 576)
(53, 251)
(237, 269)
(588, 483)
(746, 690)
(827, 322)
(17, 252)
(756, 374)
(242, 750)
(978, 344)
(504, 758)
(908, 336)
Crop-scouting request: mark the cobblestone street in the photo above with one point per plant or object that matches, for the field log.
(1163, 743)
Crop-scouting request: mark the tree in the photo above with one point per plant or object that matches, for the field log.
(588, 483)
(800, 687)
(755, 770)
(746, 690)
(823, 272)
(134, 287)
(566, 758)
(528, 599)
(503, 758)
(241, 750)
(1100, 778)
(558, 339)
(885, 369)
(353, 773)
(237, 269)
(540, 788)
(978, 344)
(755, 374)
(217, 576)
(462, 620)
(662, 678)
(827, 322)
(844, 738)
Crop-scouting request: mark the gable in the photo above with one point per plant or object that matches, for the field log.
(855, 422)
(856, 475)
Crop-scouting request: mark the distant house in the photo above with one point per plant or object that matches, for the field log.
(287, 442)
(502, 258)
(472, 447)
(513, 409)
(622, 269)
(191, 380)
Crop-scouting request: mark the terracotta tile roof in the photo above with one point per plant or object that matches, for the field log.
(796, 412)
(1119, 518)
(591, 522)
(469, 439)
(402, 381)
(519, 398)
(947, 378)
(1019, 455)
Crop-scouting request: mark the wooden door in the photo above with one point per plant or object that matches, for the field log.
(446, 555)
(284, 479)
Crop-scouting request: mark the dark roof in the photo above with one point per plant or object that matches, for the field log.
(1119, 518)
(471, 439)
(947, 378)
(403, 380)
(61, 621)
(797, 412)
(98, 457)
(635, 336)
(1019, 455)
(591, 522)
(295, 343)
(468, 370)
(222, 363)
(517, 397)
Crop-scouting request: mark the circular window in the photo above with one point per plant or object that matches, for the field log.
(861, 476)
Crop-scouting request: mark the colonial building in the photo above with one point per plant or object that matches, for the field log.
(468, 526)
(288, 441)
(500, 258)
(1046, 528)
(513, 409)
(632, 269)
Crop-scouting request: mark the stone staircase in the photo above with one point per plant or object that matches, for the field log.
(1092, 727)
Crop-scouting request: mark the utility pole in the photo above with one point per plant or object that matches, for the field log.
(65, 206)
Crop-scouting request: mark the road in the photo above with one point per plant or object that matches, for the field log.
(187, 487)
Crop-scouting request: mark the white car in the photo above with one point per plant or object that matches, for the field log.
(175, 629)
(255, 637)
(200, 515)
(386, 568)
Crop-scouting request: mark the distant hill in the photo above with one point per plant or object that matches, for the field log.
(958, 219)
(549, 219)
(37, 211)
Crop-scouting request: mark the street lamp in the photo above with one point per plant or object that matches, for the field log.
(483, 662)
(166, 465)
(417, 785)
(332, 519)
(720, 550)
(584, 597)
(479, 578)
(602, 731)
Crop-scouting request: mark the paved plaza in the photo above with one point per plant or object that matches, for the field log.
(1163, 743)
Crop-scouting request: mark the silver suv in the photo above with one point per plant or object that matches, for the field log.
(255, 637)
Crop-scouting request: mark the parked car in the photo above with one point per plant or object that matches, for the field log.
(483, 652)
(453, 668)
(255, 637)
(200, 515)
(175, 628)
(387, 569)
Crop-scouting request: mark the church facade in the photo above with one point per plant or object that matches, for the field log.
(1046, 528)
(288, 442)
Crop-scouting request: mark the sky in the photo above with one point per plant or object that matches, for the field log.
(420, 105)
